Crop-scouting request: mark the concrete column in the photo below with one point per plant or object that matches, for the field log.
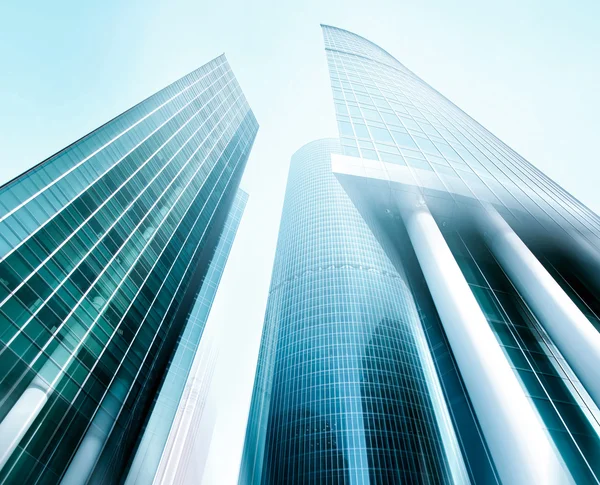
(520, 447)
(587, 257)
(92, 444)
(18, 420)
(569, 328)
(16, 423)
(23, 413)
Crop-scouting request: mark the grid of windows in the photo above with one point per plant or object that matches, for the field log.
(541, 369)
(342, 394)
(387, 113)
(161, 421)
(98, 245)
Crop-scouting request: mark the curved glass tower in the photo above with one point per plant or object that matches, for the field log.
(434, 308)
(507, 259)
(345, 390)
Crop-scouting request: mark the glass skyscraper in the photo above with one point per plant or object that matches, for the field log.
(433, 314)
(104, 249)
(345, 389)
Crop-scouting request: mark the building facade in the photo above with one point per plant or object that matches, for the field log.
(167, 443)
(104, 247)
(345, 389)
(497, 266)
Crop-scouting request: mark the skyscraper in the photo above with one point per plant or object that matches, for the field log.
(104, 248)
(484, 366)
(342, 368)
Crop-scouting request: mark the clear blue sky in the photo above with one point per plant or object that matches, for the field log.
(527, 70)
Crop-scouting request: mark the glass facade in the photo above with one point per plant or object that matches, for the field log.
(542, 371)
(386, 113)
(103, 248)
(408, 145)
(162, 422)
(370, 370)
(346, 390)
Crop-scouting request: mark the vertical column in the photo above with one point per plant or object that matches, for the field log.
(519, 445)
(570, 330)
(23, 413)
(91, 446)
(16, 423)
(587, 258)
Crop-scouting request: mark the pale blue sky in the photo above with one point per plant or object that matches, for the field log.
(527, 70)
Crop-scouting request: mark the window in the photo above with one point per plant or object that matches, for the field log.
(364, 99)
(422, 164)
(386, 148)
(391, 119)
(345, 128)
(355, 111)
(392, 158)
(370, 154)
(410, 124)
(382, 103)
(341, 109)
(447, 151)
(361, 131)
(351, 151)
(349, 142)
(403, 140)
(371, 114)
(381, 134)
(426, 145)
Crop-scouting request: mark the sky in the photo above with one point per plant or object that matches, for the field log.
(527, 70)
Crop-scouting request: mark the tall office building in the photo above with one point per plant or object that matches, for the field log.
(480, 360)
(104, 248)
(342, 367)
